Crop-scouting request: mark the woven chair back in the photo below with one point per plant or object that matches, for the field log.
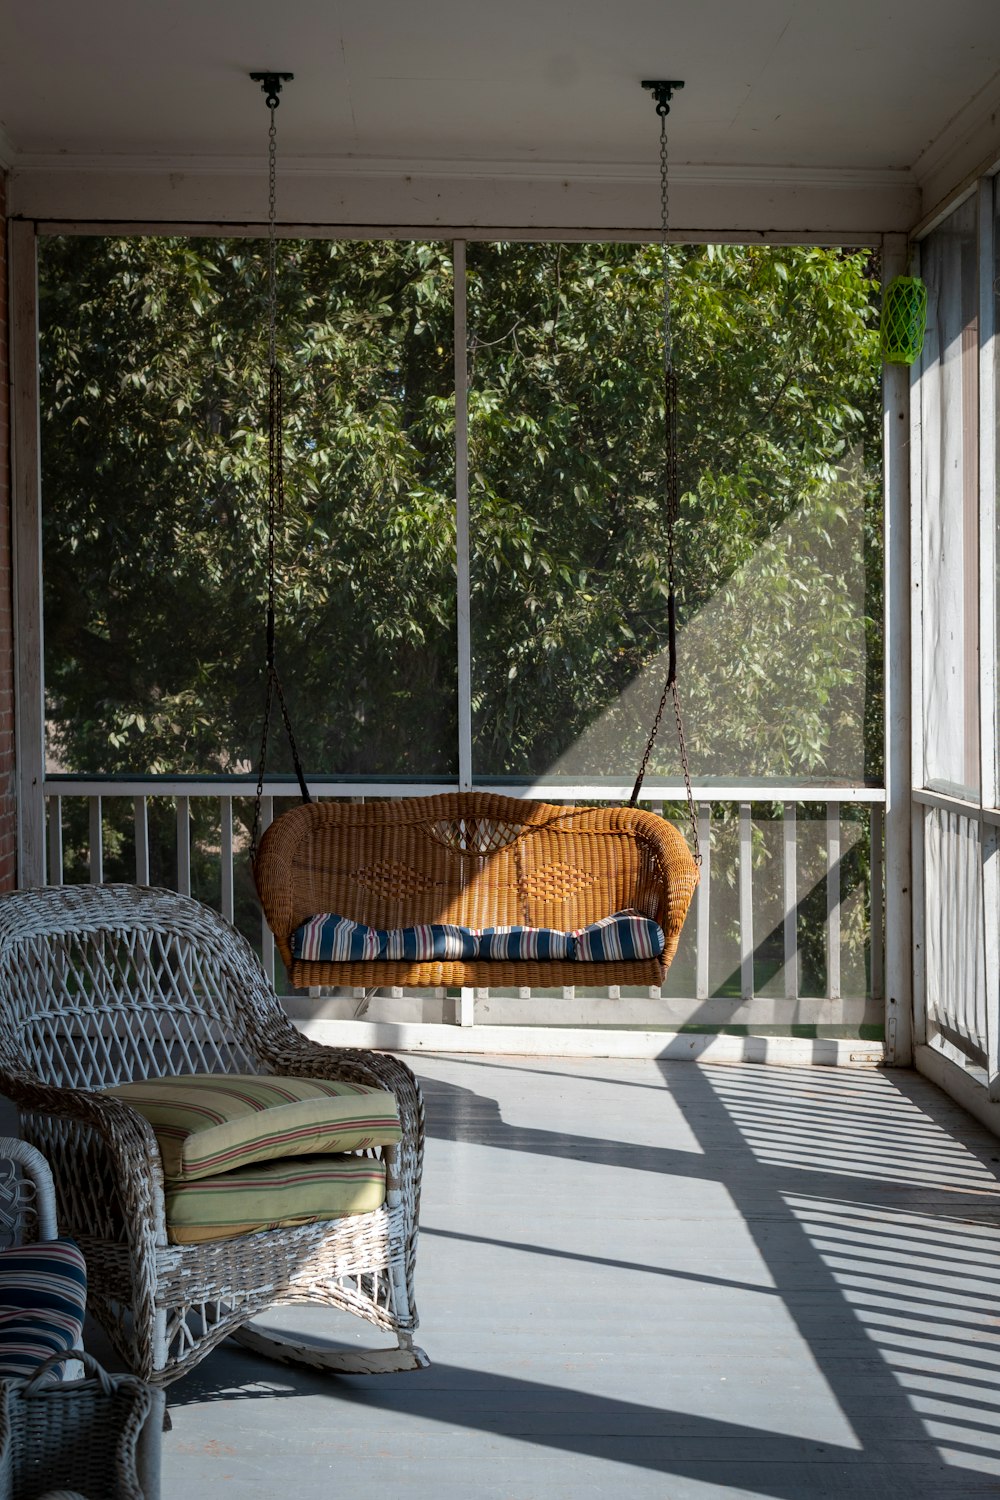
(101, 985)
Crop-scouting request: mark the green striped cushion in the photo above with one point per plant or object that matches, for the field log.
(295, 1191)
(207, 1123)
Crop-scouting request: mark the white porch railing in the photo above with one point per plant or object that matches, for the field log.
(957, 925)
(783, 933)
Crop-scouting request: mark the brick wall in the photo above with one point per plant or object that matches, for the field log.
(8, 806)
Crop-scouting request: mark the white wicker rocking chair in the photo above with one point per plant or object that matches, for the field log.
(102, 985)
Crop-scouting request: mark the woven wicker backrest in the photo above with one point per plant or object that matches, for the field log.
(101, 985)
(473, 858)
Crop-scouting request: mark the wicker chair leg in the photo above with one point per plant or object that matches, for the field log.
(288, 1351)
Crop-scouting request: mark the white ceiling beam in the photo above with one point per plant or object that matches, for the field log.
(726, 202)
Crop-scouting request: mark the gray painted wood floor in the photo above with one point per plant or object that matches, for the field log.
(642, 1279)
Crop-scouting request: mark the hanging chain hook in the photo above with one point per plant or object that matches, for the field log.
(663, 91)
(271, 85)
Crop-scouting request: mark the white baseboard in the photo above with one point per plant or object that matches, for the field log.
(558, 1041)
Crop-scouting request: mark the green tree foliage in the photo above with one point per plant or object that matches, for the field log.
(777, 546)
(154, 458)
(154, 482)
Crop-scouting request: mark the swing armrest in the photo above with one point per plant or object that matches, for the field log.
(667, 879)
(285, 873)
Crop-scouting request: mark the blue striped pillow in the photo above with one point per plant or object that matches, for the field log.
(338, 940)
(625, 935)
(43, 1295)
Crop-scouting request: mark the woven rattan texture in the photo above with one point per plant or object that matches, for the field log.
(477, 860)
(108, 984)
(81, 1437)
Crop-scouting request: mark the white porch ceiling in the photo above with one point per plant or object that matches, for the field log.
(783, 97)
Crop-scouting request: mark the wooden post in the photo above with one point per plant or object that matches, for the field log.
(26, 524)
(900, 592)
(987, 627)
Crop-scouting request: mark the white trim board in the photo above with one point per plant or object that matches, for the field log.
(840, 207)
(552, 1041)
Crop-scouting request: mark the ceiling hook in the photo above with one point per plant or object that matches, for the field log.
(663, 91)
(271, 85)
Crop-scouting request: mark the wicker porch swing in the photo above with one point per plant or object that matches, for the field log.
(472, 888)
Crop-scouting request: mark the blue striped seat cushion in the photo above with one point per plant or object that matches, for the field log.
(43, 1295)
(623, 936)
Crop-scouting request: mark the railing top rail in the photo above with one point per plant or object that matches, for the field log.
(594, 790)
(966, 807)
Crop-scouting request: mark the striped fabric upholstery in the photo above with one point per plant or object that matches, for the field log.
(625, 935)
(524, 942)
(296, 1191)
(43, 1295)
(210, 1123)
(339, 940)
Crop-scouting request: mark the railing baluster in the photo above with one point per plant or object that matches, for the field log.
(96, 842)
(970, 884)
(184, 845)
(833, 900)
(746, 902)
(876, 866)
(266, 935)
(140, 811)
(955, 952)
(226, 857)
(55, 870)
(703, 908)
(991, 957)
(791, 881)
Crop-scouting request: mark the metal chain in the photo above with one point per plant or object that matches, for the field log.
(261, 763)
(672, 496)
(275, 482)
(668, 348)
(272, 255)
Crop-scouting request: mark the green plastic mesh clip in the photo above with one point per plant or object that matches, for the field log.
(904, 318)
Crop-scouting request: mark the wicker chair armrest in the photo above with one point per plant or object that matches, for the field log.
(127, 1138)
